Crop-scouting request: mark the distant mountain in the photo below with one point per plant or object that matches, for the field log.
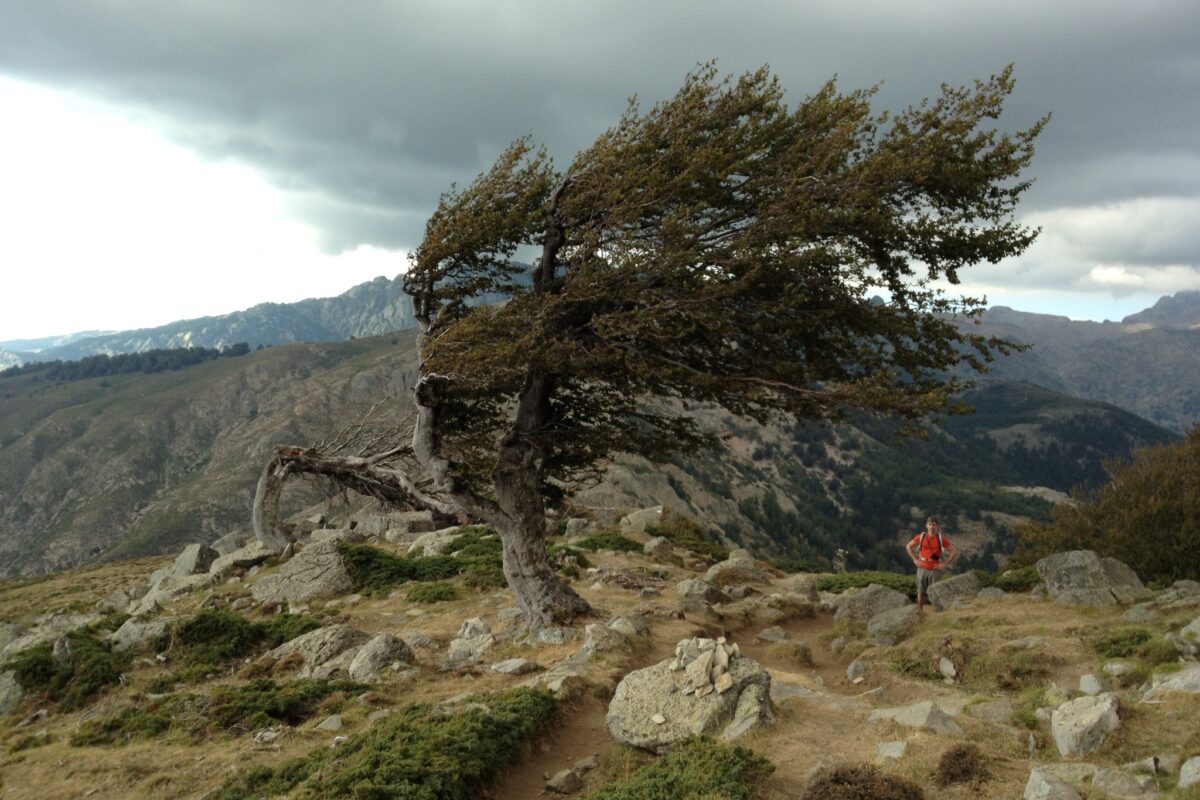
(37, 345)
(378, 306)
(1181, 310)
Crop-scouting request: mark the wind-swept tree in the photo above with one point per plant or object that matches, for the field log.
(720, 247)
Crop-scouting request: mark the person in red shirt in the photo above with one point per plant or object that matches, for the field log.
(930, 550)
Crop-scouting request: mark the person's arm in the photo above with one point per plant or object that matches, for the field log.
(912, 552)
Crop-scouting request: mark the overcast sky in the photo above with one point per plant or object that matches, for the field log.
(168, 159)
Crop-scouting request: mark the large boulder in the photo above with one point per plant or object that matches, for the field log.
(894, 625)
(700, 590)
(1122, 785)
(194, 560)
(1080, 726)
(252, 554)
(926, 716)
(866, 603)
(961, 587)
(11, 692)
(1045, 785)
(1080, 577)
(165, 590)
(640, 521)
(136, 632)
(324, 651)
(1189, 773)
(473, 640)
(434, 543)
(1186, 680)
(382, 651)
(707, 688)
(739, 568)
(316, 571)
(47, 629)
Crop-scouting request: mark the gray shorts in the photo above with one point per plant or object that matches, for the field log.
(925, 579)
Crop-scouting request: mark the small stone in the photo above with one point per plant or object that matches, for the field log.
(891, 751)
(658, 719)
(566, 781)
(337, 740)
(1189, 773)
(772, 634)
(724, 683)
(857, 669)
(1091, 685)
(587, 763)
(331, 723)
(515, 666)
(947, 668)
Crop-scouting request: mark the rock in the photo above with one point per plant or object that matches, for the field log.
(998, 712)
(381, 651)
(990, 592)
(890, 751)
(630, 626)
(658, 692)
(45, 630)
(739, 568)
(1082, 577)
(404, 522)
(696, 589)
(1024, 643)
(11, 693)
(587, 764)
(348, 535)
(786, 690)
(266, 735)
(9, 633)
(772, 634)
(473, 640)
(639, 521)
(418, 640)
(925, 716)
(1187, 640)
(1044, 785)
(321, 649)
(135, 632)
(251, 555)
(947, 668)
(1080, 726)
(1122, 785)
(867, 603)
(601, 638)
(234, 540)
(802, 584)
(578, 525)
(1092, 684)
(857, 669)
(316, 571)
(1185, 680)
(566, 781)
(1140, 614)
(515, 666)
(1118, 668)
(165, 590)
(1182, 594)
(556, 635)
(894, 625)
(194, 560)
(659, 547)
(960, 587)
(434, 543)
(1189, 773)
(331, 723)
(1166, 764)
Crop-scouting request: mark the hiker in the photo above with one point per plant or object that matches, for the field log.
(930, 551)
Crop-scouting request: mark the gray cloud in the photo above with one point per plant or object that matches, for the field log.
(366, 111)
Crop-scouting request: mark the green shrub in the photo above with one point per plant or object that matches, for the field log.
(842, 581)
(214, 637)
(374, 571)
(695, 768)
(415, 753)
(609, 540)
(232, 709)
(686, 533)
(916, 665)
(435, 592)
(859, 782)
(487, 577)
(88, 671)
(1021, 579)
(1121, 642)
(962, 763)
(477, 542)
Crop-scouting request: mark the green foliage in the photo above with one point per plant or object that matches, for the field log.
(696, 767)
(414, 754)
(231, 709)
(214, 637)
(1021, 579)
(916, 665)
(435, 592)
(377, 572)
(685, 533)
(1121, 642)
(145, 362)
(90, 668)
(485, 577)
(859, 782)
(962, 763)
(1147, 516)
(842, 581)
(609, 540)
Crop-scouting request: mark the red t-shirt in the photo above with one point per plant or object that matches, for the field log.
(929, 548)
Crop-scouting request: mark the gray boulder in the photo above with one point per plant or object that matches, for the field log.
(1140, 614)
(998, 712)
(894, 625)
(167, 589)
(659, 547)
(630, 626)
(434, 543)
(703, 591)
(9, 633)
(135, 632)
(1186, 680)
(1080, 577)
(11, 693)
(316, 571)
(348, 535)
(650, 709)
(47, 629)
(322, 648)
(866, 603)
(1189, 773)
(253, 554)
(924, 716)
(961, 587)
(194, 560)
(639, 521)
(1123, 786)
(473, 640)
(515, 666)
(1045, 785)
(380, 652)
(891, 751)
(1187, 640)
(739, 568)
(232, 541)
(1080, 726)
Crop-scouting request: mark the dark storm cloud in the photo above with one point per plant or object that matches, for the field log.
(366, 111)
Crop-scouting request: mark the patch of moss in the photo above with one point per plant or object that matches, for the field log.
(840, 582)
(609, 540)
(90, 668)
(436, 592)
(697, 767)
(415, 753)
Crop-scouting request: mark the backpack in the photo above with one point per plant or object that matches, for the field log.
(941, 546)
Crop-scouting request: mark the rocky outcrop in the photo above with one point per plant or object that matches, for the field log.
(135, 632)
(434, 543)
(702, 591)
(166, 589)
(194, 560)
(473, 640)
(1080, 726)
(47, 629)
(707, 688)
(1186, 680)
(924, 716)
(739, 568)
(864, 604)
(250, 555)
(640, 521)
(11, 693)
(961, 587)
(316, 571)
(891, 626)
(1084, 578)
(323, 652)
(384, 650)
(1045, 785)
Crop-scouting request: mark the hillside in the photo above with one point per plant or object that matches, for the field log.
(138, 464)
(402, 684)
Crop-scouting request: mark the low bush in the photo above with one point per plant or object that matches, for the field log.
(696, 767)
(916, 665)
(859, 782)
(436, 592)
(415, 753)
(684, 532)
(89, 669)
(962, 763)
(840, 582)
(1121, 642)
(373, 571)
(609, 540)
(1021, 579)
(214, 637)
(231, 709)
(1011, 670)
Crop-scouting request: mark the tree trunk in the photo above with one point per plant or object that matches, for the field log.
(544, 599)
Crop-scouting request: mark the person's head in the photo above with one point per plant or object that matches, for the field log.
(933, 524)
